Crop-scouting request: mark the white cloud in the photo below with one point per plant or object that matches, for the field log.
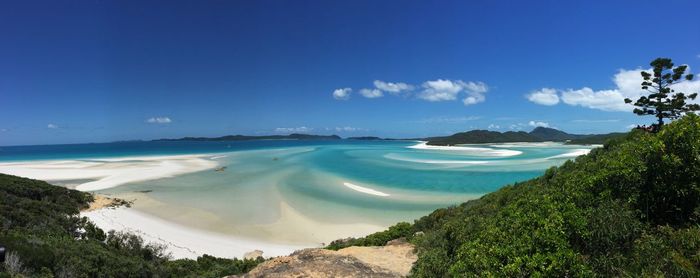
(518, 126)
(606, 100)
(342, 93)
(476, 87)
(159, 120)
(393, 88)
(544, 96)
(52, 126)
(444, 90)
(538, 124)
(448, 120)
(371, 93)
(627, 85)
(440, 90)
(293, 129)
(349, 129)
(493, 126)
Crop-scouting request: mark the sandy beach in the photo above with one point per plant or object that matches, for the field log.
(187, 232)
(103, 173)
(188, 241)
(182, 241)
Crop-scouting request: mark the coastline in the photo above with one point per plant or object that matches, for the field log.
(189, 227)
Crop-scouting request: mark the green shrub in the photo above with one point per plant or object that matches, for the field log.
(41, 227)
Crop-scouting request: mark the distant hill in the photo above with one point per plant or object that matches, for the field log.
(596, 139)
(539, 134)
(294, 136)
(551, 134)
(483, 136)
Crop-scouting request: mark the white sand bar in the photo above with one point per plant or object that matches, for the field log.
(574, 153)
(365, 190)
(182, 241)
(468, 150)
(109, 172)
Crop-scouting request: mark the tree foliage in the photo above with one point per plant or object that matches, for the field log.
(662, 100)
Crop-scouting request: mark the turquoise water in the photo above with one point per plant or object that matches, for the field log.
(308, 177)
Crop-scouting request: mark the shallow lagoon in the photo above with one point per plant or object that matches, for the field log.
(314, 192)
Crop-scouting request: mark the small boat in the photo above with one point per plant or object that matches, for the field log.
(220, 169)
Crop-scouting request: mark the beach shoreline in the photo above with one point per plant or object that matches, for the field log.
(182, 242)
(191, 240)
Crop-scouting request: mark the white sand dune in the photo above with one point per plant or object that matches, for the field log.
(469, 150)
(365, 190)
(109, 172)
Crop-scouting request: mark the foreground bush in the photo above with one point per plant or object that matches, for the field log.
(40, 226)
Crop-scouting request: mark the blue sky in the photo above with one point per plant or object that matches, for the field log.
(96, 71)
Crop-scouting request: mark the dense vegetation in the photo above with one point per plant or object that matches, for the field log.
(596, 139)
(45, 237)
(631, 208)
(539, 134)
(294, 136)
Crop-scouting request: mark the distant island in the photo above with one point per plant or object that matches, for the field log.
(539, 134)
(368, 138)
(293, 136)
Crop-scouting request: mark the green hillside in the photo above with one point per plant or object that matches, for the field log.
(631, 209)
(483, 136)
(596, 139)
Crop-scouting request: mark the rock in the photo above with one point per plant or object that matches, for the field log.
(393, 260)
(253, 254)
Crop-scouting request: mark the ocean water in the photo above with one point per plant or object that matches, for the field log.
(270, 187)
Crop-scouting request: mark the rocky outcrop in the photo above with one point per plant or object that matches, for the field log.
(393, 260)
